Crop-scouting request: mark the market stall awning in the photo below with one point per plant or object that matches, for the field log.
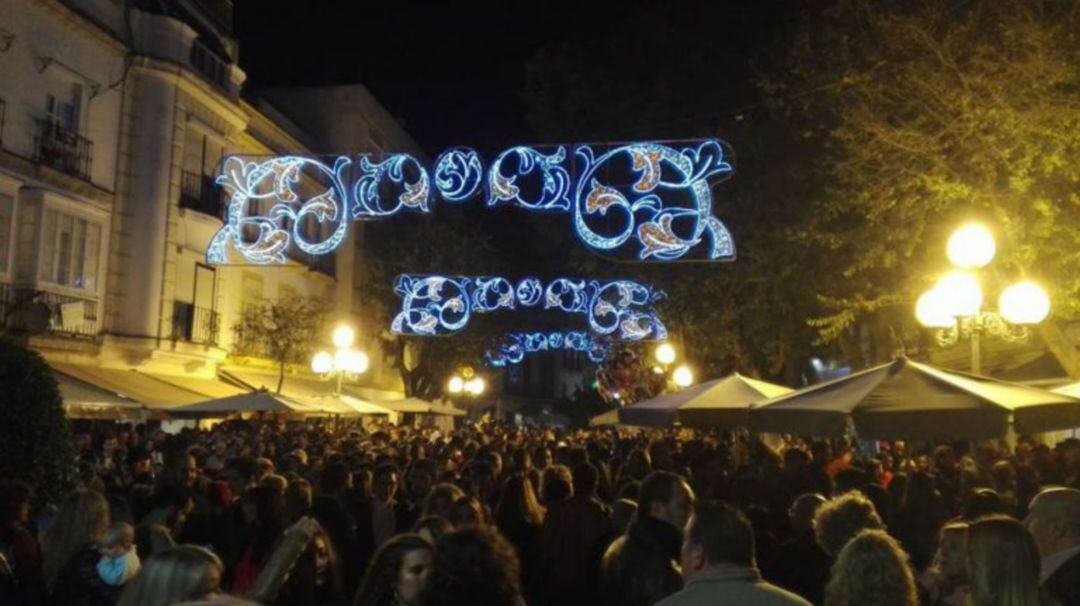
(84, 400)
(610, 417)
(345, 405)
(292, 386)
(420, 406)
(723, 402)
(909, 400)
(255, 402)
(132, 385)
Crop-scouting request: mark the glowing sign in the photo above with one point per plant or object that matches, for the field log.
(643, 201)
(513, 347)
(442, 305)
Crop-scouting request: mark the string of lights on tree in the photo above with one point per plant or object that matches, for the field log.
(639, 201)
(435, 305)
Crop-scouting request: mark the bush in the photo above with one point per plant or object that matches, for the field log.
(35, 438)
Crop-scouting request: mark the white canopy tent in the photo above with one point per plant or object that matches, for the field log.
(910, 400)
(723, 402)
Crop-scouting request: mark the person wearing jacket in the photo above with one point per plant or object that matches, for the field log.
(641, 567)
(718, 563)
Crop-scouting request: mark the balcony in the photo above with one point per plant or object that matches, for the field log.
(3, 115)
(63, 149)
(199, 193)
(212, 67)
(24, 310)
(196, 325)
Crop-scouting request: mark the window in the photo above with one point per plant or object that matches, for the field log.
(7, 211)
(62, 108)
(70, 251)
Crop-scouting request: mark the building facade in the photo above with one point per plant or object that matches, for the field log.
(114, 118)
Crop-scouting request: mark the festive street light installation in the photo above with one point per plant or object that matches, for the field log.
(954, 306)
(344, 363)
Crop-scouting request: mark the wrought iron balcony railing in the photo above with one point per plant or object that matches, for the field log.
(63, 149)
(25, 310)
(195, 324)
(199, 192)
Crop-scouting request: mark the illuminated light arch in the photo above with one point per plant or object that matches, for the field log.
(514, 347)
(648, 202)
(435, 305)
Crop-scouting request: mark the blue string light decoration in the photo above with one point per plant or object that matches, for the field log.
(641, 201)
(513, 347)
(442, 305)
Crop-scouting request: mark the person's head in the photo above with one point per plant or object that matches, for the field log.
(717, 533)
(420, 479)
(951, 558)
(468, 512)
(398, 572)
(871, 569)
(983, 502)
(474, 567)
(15, 497)
(802, 510)
(1002, 562)
(181, 469)
(81, 520)
(518, 504)
(666, 497)
(432, 528)
(175, 575)
(441, 499)
(240, 474)
(556, 484)
(298, 499)
(1054, 520)
(276, 481)
(841, 518)
(384, 482)
(117, 540)
(586, 478)
(335, 478)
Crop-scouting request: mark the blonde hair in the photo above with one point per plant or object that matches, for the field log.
(1003, 563)
(841, 518)
(118, 534)
(81, 520)
(871, 569)
(180, 574)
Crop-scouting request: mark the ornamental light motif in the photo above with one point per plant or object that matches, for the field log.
(435, 305)
(644, 201)
(515, 346)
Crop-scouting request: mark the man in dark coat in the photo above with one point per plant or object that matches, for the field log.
(800, 564)
(641, 567)
(1054, 522)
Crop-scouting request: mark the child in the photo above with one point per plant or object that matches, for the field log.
(119, 561)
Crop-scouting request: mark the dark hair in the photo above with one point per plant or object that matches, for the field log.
(586, 477)
(724, 533)
(436, 526)
(468, 509)
(380, 580)
(556, 484)
(14, 495)
(518, 505)
(658, 487)
(334, 477)
(476, 568)
(983, 502)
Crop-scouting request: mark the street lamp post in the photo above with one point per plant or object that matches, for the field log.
(682, 376)
(344, 363)
(466, 383)
(954, 306)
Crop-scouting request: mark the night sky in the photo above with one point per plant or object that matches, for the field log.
(455, 76)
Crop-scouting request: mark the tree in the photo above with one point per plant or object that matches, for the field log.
(35, 437)
(930, 113)
(748, 315)
(281, 330)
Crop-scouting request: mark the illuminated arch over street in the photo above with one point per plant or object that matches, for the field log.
(514, 347)
(646, 202)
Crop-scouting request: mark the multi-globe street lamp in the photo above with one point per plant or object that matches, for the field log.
(682, 377)
(954, 306)
(344, 363)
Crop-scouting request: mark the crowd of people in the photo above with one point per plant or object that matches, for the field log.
(331, 515)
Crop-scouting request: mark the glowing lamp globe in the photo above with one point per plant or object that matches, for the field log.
(351, 361)
(971, 246)
(665, 353)
(961, 294)
(456, 385)
(683, 376)
(343, 337)
(932, 310)
(322, 363)
(475, 386)
(1024, 303)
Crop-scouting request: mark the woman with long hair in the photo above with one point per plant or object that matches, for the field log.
(519, 517)
(919, 519)
(1003, 564)
(871, 569)
(269, 504)
(70, 555)
(474, 567)
(440, 500)
(180, 574)
(397, 574)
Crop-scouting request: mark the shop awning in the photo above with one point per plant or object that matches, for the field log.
(146, 389)
(83, 400)
(419, 406)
